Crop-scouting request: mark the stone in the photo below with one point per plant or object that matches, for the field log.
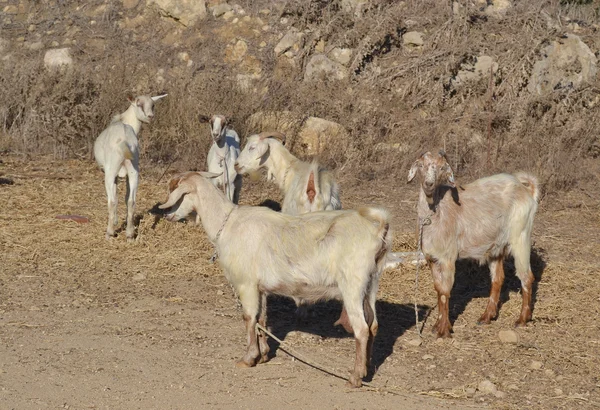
(320, 46)
(228, 15)
(317, 133)
(475, 71)
(413, 38)
(508, 336)
(355, 7)
(58, 57)
(35, 46)
(341, 55)
(567, 63)
(470, 391)
(416, 342)
(186, 12)
(291, 42)
(487, 387)
(497, 8)
(236, 52)
(319, 66)
(428, 357)
(220, 9)
(536, 365)
(130, 4)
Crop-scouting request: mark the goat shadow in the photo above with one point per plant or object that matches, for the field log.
(394, 320)
(473, 281)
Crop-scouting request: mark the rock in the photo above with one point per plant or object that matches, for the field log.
(427, 357)
(470, 391)
(341, 55)
(513, 387)
(130, 4)
(265, 12)
(320, 46)
(487, 387)
(497, 8)
(317, 133)
(416, 342)
(35, 46)
(568, 63)
(508, 336)
(220, 9)
(413, 38)
(320, 66)
(355, 7)
(139, 276)
(291, 42)
(187, 12)
(236, 52)
(535, 365)
(500, 394)
(558, 392)
(183, 56)
(476, 70)
(549, 372)
(58, 57)
(228, 15)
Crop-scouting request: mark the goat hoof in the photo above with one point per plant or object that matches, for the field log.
(520, 323)
(484, 321)
(241, 364)
(109, 236)
(354, 381)
(263, 359)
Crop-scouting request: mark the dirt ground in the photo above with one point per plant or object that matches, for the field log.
(89, 323)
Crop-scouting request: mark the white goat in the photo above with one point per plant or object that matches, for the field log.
(485, 220)
(306, 187)
(315, 256)
(222, 155)
(116, 152)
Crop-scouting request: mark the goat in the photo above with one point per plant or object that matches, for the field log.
(222, 155)
(485, 220)
(116, 152)
(306, 187)
(314, 256)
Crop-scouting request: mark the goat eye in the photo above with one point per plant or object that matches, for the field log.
(251, 149)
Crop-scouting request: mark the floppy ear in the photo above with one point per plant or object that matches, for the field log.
(413, 170)
(174, 196)
(262, 148)
(210, 175)
(203, 118)
(130, 98)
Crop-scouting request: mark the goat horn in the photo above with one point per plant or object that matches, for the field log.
(272, 134)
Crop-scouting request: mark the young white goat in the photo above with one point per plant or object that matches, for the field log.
(485, 220)
(315, 256)
(116, 152)
(222, 155)
(306, 187)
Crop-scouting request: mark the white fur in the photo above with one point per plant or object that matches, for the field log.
(314, 256)
(116, 152)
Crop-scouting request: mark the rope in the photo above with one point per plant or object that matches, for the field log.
(424, 221)
(290, 351)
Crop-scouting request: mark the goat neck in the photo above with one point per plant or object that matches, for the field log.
(129, 118)
(278, 163)
(429, 206)
(213, 207)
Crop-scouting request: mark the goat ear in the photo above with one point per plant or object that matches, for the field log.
(413, 171)
(174, 196)
(158, 97)
(203, 118)
(262, 148)
(130, 98)
(210, 174)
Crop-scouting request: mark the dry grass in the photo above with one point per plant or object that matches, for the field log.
(396, 95)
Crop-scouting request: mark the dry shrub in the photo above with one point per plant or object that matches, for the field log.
(397, 102)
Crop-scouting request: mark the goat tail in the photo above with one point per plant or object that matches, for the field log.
(382, 218)
(531, 183)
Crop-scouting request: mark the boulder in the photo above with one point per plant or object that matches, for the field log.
(187, 12)
(413, 38)
(474, 71)
(317, 133)
(219, 9)
(341, 55)
(58, 57)
(566, 63)
(290, 44)
(319, 66)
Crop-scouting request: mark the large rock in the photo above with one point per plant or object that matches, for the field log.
(566, 63)
(476, 70)
(317, 133)
(282, 121)
(187, 12)
(413, 38)
(319, 66)
(290, 44)
(58, 57)
(341, 55)
(356, 7)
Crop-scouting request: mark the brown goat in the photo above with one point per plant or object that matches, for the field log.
(485, 220)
